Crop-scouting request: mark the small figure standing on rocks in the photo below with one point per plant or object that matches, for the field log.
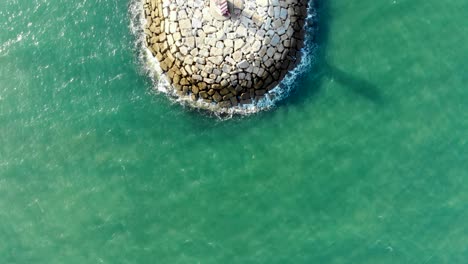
(222, 6)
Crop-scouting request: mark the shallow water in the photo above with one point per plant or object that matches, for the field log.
(366, 162)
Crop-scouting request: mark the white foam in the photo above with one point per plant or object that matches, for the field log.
(150, 67)
(6, 45)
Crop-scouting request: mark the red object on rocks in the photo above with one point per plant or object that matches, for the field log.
(223, 7)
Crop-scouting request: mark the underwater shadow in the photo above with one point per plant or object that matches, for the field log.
(309, 83)
(357, 85)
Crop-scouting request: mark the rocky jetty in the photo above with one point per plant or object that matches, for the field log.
(227, 61)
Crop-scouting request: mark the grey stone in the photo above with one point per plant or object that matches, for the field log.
(277, 11)
(229, 43)
(270, 51)
(224, 91)
(216, 59)
(225, 104)
(197, 77)
(200, 60)
(241, 31)
(241, 76)
(234, 101)
(203, 94)
(256, 46)
(275, 40)
(219, 45)
(196, 23)
(224, 83)
(260, 34)
(190, 42)
(262, 51)
(227, 51)
(208, 80)
(185, 24)
(243, 64)
(194, 52)
(216, 51)
(238, 43)
(277, 23)
(209, 29)
(177, 36)
(231, 60)
(217, 97)
(280, 31)
(183, 50)
(283, 13)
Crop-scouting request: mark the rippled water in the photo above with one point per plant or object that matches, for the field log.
(365, 162)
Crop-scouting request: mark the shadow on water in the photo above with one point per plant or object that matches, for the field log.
(357, 85)
(309, 84)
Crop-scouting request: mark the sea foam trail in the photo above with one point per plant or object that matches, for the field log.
(150, 67)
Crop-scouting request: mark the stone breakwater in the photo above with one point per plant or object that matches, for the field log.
(225, 61)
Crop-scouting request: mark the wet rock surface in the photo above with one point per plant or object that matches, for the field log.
(227, 61)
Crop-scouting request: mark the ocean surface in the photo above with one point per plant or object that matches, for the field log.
(365, 162)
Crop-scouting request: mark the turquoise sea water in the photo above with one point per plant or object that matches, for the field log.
(366, 162)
